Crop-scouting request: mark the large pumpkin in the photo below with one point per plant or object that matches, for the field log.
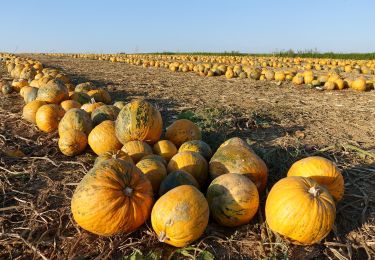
(76, 119)
(48, 116)
(237, 158)
(103, 113)
(29, 94)
(119, 155)
(233, 199)
(191, 162)
(53, 92)
(139, 120)
(72, 142)
(197, 146)
(80, 97)
(69, 104)
(154, 170)
(30, 109)
(300, 209)
(323, 171)
(111, 198)
(136, 150)
(165, 148)
(175, 179)
(180, 216)
(103, 138)
(181, 131)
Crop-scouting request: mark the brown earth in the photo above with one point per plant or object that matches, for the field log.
(284, 123)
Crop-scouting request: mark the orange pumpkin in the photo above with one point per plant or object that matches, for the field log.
(139, 120)
(301, 210)
(191, 162)
(175, 179)
(136, 150)
(119, 104)
(30, 109)
(181, 131)
(29, 94)
(48, 116)
(72, 142)
(154, 170)
(69, 104)
(197, 146)
(76, 119)
(104, 112)
(155, 157)
(233, 199)
(103, 138)
(165, 148)
(119, 155)
(100, 95)
(90, 107)
(232, 158)
(80, 97)
(53, 92)
(180, 216)
(111, 198)
(321, 170)
(84, 87)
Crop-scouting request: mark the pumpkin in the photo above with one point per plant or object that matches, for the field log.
(155, 157)
(181, 131)
(301, 210)
(165, 148)
(136, 150)
(53, 92)
(103, 113)
(154, 170)
(279, 76)
(91, 106)
(139, 120)
(321, 170)
(72, 142)
(191, 162)
(111, 198)
(77, 119)
(119, 155)
(48, 116)
(197, 146)
(229, 73)
(234, 158)
(233, 199)
(69, 104)
(329, 85)
(103, 138)
(84, 87)
(119, 104)
(175, 179)
(18, 84)
(30, 94)
(100, 95)
(6, 89)
(359, 84)
(298, 79)
(30, 109)
(180, 216)
(270, 75)
(80, 97)
(340, 84)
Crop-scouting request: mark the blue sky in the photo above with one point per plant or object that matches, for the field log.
(148, 26)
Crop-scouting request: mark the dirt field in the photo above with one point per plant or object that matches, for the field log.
(284, 123)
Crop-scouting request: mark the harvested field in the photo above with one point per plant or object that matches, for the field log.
(283, 122)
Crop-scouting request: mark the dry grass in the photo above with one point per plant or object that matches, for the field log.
(35, 217)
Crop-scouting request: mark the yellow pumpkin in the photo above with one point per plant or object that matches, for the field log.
(100, 95)
(69, 104)
(90, 107)
(359, 84)
(77, 119)
(111, 198)
(181, 131)
(48, 116)
(191, 162)
(119, 155)
(180, 216)
(197, 146)
(136, 150)
(321, 170)
(154, 170)
(30, 109)
(165, 148)
(301, 210)
(53, 92)
(103, 138)
(155, 157)
(233, 199)
(72, 142)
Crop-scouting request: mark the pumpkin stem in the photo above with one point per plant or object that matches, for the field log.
(92, 101)
(315, 191)
(128, 191)
(162, 236)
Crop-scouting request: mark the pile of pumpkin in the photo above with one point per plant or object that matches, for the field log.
(138, 175)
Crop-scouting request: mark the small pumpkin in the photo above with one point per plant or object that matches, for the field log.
(111, 198)
(29, 94)
(119, 155)
(321, 170)
(91, 106)
(302, 225)
(180, 216)
(80, 97)
(103, 138)
(48, 116)
(104, 112)
(191, 162)
(197, 146)
(84, 87)
(139, 120)
(155, 157)
(136, 150)
(72, 142)
(154, 170)
(181, 131)
(165, 148)
(233, 199)
(7, 89)
(30, 109)
(175, 179)
(100, 95)
(53, 92)
(76, 119)
(69, 104)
